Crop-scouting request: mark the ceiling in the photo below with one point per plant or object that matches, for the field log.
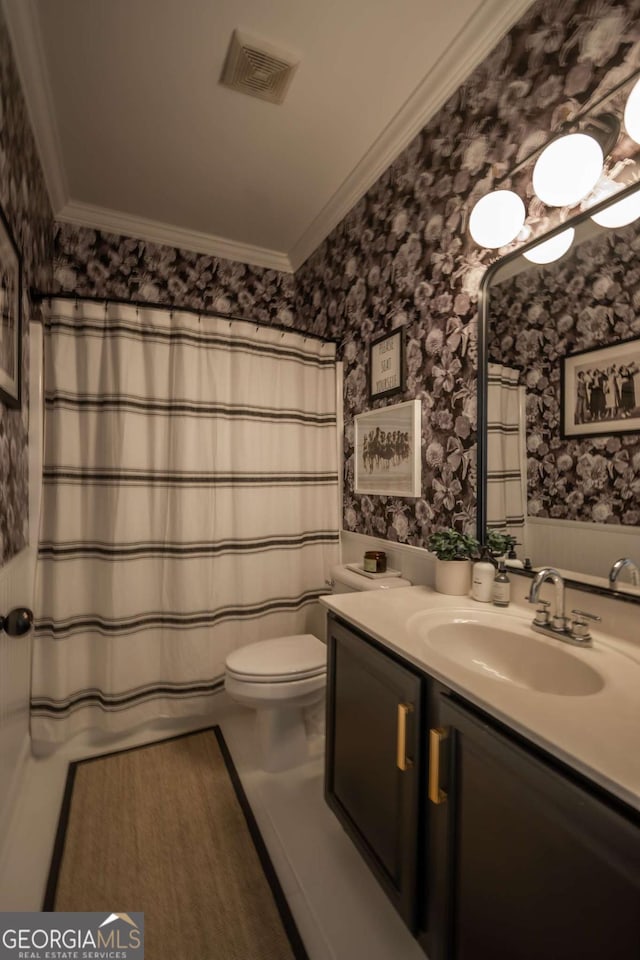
(137, 136)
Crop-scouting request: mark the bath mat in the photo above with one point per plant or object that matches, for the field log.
(166, 829)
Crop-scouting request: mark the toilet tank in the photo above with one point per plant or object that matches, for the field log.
(344, 579)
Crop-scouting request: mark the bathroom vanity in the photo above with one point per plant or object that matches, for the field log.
(494, 793)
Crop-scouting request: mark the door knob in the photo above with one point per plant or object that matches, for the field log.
(17, 622)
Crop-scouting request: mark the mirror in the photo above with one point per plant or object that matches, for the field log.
(563, 341)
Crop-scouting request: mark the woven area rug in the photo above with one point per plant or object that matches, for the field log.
(166, 829)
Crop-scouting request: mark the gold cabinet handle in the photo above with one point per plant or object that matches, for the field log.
(403, 762)
(436, 737)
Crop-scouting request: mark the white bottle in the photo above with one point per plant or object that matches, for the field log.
(482, 580)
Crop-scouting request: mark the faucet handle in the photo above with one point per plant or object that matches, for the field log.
(541, 618)
(579, 629)
(587, 616)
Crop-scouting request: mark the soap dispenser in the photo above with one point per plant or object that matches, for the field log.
(501, 587)
(482, 577)
(512, 557)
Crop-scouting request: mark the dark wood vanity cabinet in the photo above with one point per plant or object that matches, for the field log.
(524, 861)
(487, 846)
(373, 759)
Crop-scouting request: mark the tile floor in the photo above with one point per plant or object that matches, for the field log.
(339, 908)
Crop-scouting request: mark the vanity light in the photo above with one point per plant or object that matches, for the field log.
(551, 249)
(619, 214)
(568, 169)
(632, 113)
(497, 219)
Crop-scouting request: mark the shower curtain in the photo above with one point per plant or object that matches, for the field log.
(190, 506)
(505, 474)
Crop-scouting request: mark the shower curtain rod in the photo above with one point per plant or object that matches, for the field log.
(37, 296)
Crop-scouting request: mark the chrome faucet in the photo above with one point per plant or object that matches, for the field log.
(559, 621)
(576, 630)
(618, 566)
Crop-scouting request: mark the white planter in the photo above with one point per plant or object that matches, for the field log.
(453, 577)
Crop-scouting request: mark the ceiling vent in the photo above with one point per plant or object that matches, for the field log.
(255, 67)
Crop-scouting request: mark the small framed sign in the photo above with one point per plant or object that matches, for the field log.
(386, 365)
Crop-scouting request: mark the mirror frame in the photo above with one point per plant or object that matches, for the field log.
(483, 358)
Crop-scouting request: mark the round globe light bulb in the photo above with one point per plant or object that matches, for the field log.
(497, 218)
(619, 214)
(552, 249)
(632, 113)
(567, 170)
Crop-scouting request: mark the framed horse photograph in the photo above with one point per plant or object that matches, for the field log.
(387, 446)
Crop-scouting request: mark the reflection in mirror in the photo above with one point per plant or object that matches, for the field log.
(562, 374)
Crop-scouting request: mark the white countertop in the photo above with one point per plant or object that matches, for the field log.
(597, 734)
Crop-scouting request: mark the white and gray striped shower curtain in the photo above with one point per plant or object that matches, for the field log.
(189, 507)
(505, 468)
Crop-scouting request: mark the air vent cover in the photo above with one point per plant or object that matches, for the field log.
(255, 67)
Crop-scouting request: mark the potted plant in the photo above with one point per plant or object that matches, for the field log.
(453, 566)
(499, 544)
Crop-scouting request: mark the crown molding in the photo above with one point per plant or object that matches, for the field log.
(28, 50)
(470, 47)
(113, 221)
(474, 42)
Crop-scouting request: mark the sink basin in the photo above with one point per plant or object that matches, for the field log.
(507, 651)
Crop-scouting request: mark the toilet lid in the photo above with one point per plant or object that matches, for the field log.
(280, 659)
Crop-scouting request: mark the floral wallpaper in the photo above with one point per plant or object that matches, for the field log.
(25, 203)
(588, 299)
(403, 256)
(92, 263)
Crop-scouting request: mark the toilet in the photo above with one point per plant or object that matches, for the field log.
(283, 677)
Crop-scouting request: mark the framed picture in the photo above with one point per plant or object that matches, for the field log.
(387, 450)
(386, 365)
(10, 316)
(600, 390)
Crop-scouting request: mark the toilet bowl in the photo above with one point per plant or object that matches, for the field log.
(283, 677)
(279, 678)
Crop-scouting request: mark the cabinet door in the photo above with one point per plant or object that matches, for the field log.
(527, 863)
(373, 759)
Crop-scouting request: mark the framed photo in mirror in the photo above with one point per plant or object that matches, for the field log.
(10, 316)
(600, 390)
(388, 450)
